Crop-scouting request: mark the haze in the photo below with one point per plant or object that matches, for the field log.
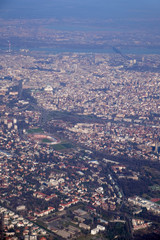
(91, 9)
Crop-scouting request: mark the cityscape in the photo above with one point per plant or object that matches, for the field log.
(79, 132)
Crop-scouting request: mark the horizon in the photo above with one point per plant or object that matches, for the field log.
(94, 9)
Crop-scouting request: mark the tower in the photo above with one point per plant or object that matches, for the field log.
(9, 46)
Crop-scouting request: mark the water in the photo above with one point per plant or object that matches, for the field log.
(56, 50)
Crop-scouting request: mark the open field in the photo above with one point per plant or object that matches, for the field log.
(62, 146)
(35, 130)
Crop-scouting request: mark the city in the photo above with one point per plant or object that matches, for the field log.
(66, 150)
(79, 120)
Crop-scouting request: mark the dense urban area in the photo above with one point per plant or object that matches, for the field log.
(79, 136)
(71, 125)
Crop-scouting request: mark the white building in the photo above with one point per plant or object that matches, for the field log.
(101, 228)
(94, 231)
(48, 88)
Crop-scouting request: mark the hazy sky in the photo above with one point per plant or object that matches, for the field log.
(91, 9)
